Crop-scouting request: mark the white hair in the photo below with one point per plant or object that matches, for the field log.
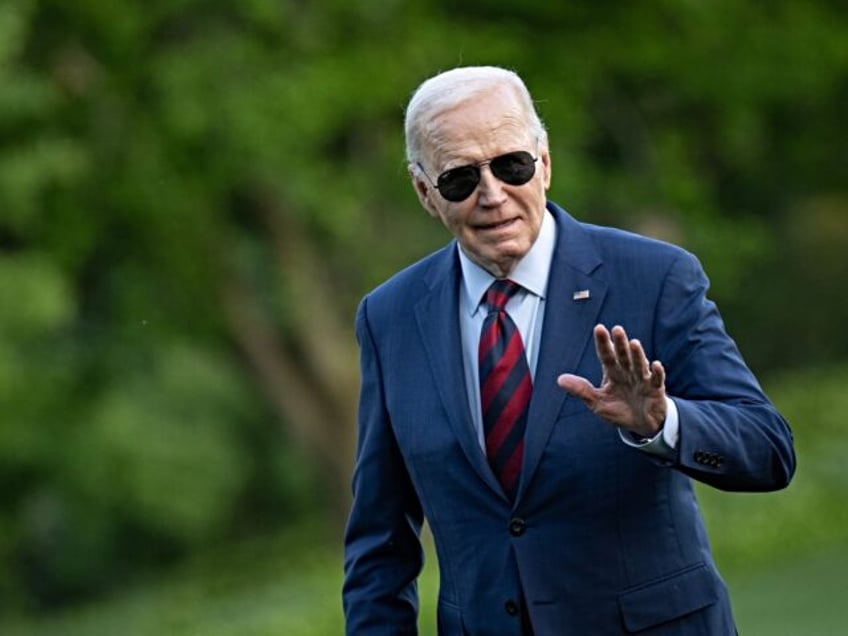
(449, 89)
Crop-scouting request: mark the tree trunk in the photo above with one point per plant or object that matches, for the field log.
(309, 369)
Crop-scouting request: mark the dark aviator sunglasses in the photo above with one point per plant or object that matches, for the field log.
(457, 184)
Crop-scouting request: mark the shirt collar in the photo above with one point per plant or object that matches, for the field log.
(531, 272)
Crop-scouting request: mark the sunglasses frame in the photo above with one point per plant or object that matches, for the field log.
(475, 167)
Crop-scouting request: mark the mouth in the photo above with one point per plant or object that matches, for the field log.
(498, 225)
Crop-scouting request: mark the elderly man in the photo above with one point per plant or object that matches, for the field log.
(552, 457)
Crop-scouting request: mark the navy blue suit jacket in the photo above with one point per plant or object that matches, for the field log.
(602, 538)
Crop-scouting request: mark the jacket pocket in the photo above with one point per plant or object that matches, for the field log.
(669, 597)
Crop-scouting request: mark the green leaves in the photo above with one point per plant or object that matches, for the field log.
(36, 296)
(161, 447)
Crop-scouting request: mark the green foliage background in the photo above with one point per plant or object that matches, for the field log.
(164, 165)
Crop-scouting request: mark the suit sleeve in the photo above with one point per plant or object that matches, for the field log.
(383, 555)
(731, 436)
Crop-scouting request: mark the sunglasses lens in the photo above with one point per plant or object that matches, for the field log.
(514, 168)
(458, 184)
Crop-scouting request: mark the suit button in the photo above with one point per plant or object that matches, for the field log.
(511, 607)
(517, 527)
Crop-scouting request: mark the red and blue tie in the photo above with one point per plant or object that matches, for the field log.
(505, 386)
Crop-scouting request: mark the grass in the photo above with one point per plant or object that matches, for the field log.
(287, 586)
(801, 596)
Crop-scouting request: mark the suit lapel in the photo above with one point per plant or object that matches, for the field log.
(569, 319)
(437, 313)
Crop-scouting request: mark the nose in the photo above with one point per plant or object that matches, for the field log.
(490, 190)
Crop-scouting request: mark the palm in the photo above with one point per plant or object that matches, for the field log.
(632, 391)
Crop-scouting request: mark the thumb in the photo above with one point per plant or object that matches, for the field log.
(577, 386)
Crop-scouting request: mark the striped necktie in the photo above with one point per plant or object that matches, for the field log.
(505, 386)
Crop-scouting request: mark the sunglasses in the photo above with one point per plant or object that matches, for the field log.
(457, 184)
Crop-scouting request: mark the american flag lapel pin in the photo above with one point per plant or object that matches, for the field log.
(582, 294)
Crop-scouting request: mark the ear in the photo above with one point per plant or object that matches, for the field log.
(545, 161)
(424, 191)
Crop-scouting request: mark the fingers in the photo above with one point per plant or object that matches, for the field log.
(622, 348)
(651, 372)
(624, 359)
(614, 351)
(657, 374)
(605, 348)
(640, 361)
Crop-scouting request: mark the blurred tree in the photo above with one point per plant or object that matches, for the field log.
(194, 195)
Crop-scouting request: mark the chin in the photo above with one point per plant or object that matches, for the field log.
(515, 251)
(503, 263)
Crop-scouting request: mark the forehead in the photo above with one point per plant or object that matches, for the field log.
(487, 125)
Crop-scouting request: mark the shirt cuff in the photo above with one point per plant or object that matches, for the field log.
(664, 443)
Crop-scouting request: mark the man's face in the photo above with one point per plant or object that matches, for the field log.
(498, 223)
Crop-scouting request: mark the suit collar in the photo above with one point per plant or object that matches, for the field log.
(574, 246)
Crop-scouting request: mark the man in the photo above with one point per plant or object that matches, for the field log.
(555, 475)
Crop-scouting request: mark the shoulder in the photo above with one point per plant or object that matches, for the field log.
(630, 261)
(629, 256)
(617, 244)
(647, 265)
(588, 244)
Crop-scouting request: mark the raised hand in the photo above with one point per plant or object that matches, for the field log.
(632, 391)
